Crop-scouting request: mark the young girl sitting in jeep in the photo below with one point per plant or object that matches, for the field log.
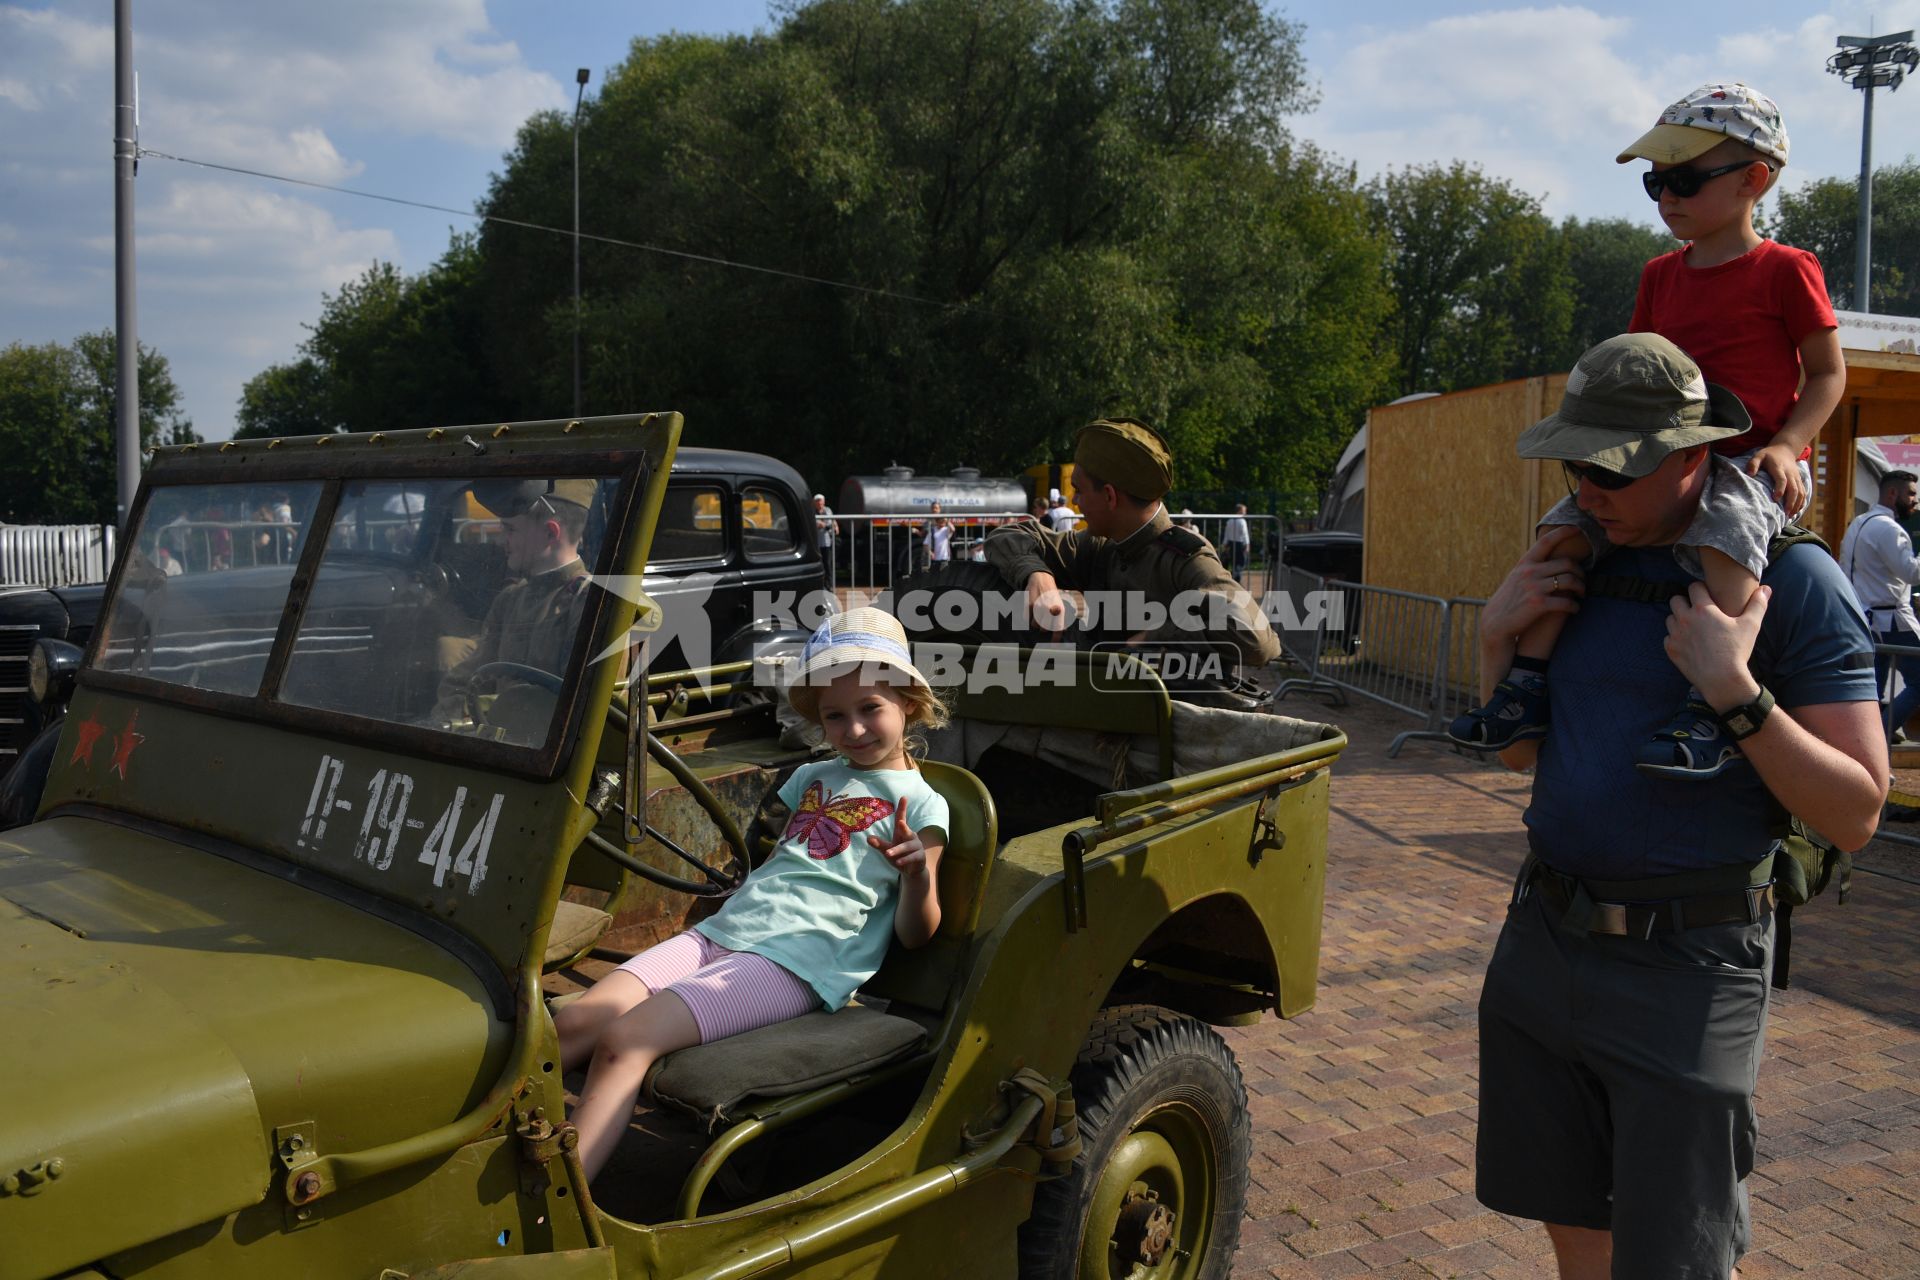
(857, 862)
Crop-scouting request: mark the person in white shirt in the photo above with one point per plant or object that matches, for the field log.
(825, 530)
(1061, 518)
(1878, 557)
(1235, 544)
(939, 537)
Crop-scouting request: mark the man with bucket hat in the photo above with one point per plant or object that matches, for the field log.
(1621, 1018)
(1130, 546)
(532, 622)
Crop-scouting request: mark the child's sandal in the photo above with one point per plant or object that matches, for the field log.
(1515, 713)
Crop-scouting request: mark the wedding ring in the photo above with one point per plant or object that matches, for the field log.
(1556, 582)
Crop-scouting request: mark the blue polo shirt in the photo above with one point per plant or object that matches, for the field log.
(1611, 685)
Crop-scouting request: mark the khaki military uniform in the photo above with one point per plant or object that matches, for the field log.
(1159, 560)
(532, 622)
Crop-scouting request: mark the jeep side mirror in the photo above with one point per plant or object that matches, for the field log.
(51, 668)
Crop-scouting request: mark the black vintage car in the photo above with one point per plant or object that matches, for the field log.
(733, 559)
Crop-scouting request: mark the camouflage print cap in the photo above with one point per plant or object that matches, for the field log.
(1127, 454)
(1631, 401)
(513, 497)
(1706, 118)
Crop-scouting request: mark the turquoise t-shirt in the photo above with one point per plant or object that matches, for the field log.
(822, 905)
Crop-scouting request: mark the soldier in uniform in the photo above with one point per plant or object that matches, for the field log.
(534, 621)
(1121, 471)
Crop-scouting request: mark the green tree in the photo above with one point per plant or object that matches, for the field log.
(1822, 218)
(1091, 199)
(58, 406)
(1605, 256)
(389, 351)
(1034, 212)
(286, 400)
(1480, 277)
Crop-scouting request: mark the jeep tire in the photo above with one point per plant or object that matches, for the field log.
(1164, 1126)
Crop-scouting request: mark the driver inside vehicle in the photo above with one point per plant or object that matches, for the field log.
(533, 622)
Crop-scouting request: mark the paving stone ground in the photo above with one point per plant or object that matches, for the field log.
(1364, 1107)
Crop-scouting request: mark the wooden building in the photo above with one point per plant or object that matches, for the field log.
(1450, 506)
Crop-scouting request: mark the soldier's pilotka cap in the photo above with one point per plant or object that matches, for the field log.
(1127, 454)
(1631, 401)
(513, 497)
(1706, 118)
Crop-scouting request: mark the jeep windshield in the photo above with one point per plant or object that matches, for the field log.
(449, 610)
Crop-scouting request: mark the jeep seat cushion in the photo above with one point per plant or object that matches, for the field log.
(576, 927)
(804, 1053)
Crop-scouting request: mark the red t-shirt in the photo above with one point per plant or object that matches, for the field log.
(1742, 322)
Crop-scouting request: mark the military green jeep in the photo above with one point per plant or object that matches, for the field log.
(277, 955)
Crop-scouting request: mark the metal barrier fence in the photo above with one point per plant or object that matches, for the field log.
(1383, 644)
(1457, 688)
(872, 550)
(59, 555)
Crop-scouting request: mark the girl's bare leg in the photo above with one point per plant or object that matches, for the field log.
(629, 1045)
(580, 1022)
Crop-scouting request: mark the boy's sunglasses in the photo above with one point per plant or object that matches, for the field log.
(1684, 182)
(1599, 477)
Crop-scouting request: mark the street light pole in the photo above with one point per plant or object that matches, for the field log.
(126, 335)
(580, 79)
(1868, 62)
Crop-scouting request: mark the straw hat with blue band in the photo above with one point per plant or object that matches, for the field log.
(864, 637)
(1631, 401)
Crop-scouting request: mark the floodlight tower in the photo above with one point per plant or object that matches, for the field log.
(1868, 63)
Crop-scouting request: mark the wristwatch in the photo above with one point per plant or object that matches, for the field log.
(1745, 720)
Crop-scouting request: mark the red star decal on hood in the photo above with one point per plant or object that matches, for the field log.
(89, 730)
(123, 744)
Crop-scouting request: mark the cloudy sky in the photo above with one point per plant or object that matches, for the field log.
(420, 100)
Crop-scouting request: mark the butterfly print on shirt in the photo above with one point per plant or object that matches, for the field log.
(828, 825)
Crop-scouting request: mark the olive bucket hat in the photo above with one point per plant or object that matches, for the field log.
(1631, 401)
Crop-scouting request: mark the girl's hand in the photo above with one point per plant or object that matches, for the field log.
(907, 854)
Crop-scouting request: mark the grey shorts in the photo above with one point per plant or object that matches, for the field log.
(1616, 1086)
(1738, 517)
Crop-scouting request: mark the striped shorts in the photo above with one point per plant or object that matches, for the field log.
(727, 992)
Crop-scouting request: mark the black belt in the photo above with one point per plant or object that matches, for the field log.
(1567, 897)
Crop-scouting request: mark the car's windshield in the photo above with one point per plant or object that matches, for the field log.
(205, 584)
(446, 603)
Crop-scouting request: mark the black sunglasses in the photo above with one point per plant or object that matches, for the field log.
(1599, 477)
(1684, 182)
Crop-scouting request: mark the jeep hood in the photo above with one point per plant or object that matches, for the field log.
(167, 1007)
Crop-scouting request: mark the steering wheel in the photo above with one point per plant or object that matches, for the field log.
(535, 677)
(524, 673)
(717, 883)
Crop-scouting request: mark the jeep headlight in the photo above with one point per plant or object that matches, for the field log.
(39, 676)
(51, 667)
